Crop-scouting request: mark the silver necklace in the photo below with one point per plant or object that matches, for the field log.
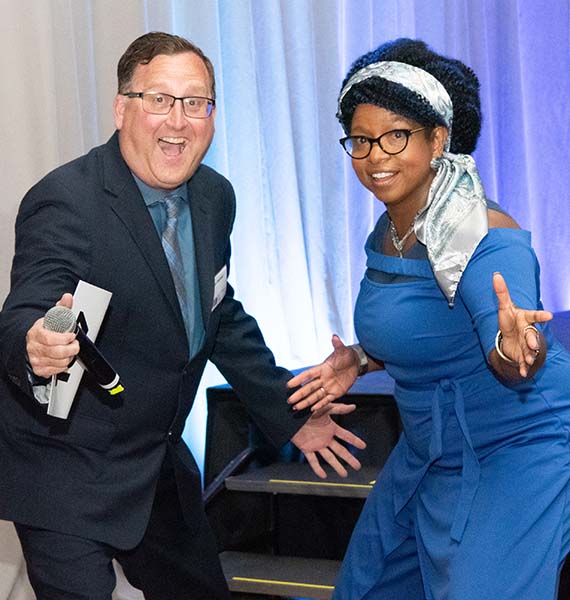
(398, 242)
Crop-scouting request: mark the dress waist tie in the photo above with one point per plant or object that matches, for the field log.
(406, 486)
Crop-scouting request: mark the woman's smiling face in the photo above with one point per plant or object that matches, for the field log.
(402, 178)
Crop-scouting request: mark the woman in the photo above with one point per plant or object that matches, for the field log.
(473, 502)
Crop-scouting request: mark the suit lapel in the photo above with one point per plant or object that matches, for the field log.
(129, 206)
(202, 228)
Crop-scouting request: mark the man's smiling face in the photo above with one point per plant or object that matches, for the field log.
(164, 151)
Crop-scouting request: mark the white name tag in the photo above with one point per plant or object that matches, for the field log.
(220, 284)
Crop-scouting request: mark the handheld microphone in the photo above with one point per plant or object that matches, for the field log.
(63, 320)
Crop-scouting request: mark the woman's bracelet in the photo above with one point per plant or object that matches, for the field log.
(362, 359)
(499, 349)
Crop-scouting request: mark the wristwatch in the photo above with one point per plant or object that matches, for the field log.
(362, 359)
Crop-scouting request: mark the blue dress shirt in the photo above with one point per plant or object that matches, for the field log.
(153, 199)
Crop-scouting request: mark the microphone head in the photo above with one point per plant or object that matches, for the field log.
(60, 319)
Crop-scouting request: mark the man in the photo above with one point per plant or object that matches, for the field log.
(115, 480)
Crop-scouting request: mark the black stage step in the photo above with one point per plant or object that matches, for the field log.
(282, 576)
(298, 478)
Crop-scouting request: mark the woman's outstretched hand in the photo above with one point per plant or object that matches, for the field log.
(326, 382)
(522, 343)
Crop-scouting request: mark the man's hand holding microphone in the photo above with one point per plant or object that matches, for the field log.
(51, 352)
(54, 341)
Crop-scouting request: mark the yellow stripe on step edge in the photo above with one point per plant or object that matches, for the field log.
(274, 582)
(355, 485)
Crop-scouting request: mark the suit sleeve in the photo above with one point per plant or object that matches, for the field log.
(51, 255)
(243, 358)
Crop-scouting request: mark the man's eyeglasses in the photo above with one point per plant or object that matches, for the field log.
(391, 142)
(157, 103)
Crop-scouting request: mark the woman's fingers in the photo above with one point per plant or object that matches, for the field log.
(502, 292)
(309, 395)
(304, 376)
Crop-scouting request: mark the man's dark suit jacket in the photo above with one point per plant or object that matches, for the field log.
(94, 474)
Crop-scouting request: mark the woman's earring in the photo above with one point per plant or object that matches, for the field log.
(435, 163)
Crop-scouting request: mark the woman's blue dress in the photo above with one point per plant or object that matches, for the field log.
(473, 502)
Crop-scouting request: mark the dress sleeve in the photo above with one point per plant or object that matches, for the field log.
(509, 252)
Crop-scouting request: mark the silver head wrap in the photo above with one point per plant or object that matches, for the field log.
(415, 79)
(454, 219)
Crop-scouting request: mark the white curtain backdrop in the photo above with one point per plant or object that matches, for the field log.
(302, 217)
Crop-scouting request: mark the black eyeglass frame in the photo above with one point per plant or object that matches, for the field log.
(211, 102)
(378, 140)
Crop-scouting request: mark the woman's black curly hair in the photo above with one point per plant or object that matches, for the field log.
(459, 80)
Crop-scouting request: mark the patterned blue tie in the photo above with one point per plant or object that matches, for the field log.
(172, 249)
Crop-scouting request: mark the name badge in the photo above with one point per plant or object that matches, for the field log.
(220, 284)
